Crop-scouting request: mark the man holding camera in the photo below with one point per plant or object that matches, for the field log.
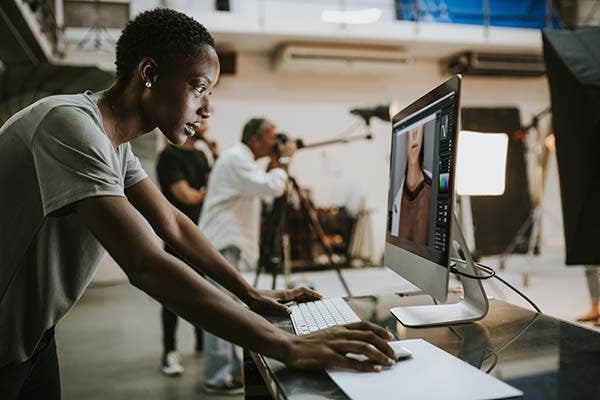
(231, 221)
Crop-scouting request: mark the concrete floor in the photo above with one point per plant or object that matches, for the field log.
(110, 343)
(110, 348)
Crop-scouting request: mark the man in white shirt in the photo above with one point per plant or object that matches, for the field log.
(231, 222)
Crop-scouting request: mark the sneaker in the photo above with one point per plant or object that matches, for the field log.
(229, 389)
(170, 364)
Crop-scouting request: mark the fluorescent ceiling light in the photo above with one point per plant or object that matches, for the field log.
(366, 16)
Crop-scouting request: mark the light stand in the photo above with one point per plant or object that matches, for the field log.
(367, 136)
(97, 34)
(534, 220)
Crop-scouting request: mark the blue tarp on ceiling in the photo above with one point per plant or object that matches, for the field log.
(506, 13)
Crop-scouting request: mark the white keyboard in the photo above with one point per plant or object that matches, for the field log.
(314, 315)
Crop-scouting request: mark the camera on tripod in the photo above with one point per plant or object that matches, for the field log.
(294, 231)
(283, 138)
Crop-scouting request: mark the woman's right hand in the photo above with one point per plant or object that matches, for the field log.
(327, 348)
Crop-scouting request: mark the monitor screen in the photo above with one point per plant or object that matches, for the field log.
(421, 176)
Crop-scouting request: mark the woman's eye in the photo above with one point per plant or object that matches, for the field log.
(200, 89)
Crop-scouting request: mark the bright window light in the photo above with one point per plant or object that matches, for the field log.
(366, 16)
(481, 163)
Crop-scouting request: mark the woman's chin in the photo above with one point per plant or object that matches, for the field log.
(177, 138)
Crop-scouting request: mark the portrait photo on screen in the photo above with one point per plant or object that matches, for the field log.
(421, 181)
(412, 186)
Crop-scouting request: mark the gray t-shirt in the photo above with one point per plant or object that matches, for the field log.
(52, 154)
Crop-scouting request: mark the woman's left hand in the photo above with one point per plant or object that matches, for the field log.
(270, 300)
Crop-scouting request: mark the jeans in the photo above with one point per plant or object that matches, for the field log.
(223, 360)
(36, 378)
(592, 275)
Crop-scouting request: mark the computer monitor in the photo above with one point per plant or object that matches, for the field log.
(423, 237)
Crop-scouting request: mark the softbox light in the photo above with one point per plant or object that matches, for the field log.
(481, 163)
(573, 68)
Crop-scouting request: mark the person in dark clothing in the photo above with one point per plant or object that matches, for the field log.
(182, 174)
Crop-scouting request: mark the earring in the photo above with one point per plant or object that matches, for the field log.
(148, 84)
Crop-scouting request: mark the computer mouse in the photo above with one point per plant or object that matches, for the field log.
(400, 353)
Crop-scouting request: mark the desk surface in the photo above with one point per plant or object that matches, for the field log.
(544, 357)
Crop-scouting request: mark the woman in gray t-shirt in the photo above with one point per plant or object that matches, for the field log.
(71, 187)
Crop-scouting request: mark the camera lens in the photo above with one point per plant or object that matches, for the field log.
(282, 138)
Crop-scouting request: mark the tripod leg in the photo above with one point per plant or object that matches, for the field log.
(536, 229)
(517, 239)
(534, 241)
(308, 208)
(258, 271)
(287, 260)
(525, 279)
(343, 280)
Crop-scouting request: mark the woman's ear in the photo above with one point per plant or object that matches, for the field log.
(148, 71)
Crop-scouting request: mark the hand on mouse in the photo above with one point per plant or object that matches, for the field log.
(327, 348)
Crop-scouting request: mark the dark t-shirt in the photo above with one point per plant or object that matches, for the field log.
(175, 164)
(414, 212)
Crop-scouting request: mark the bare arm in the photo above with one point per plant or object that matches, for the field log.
(184, 237)
(186, 194)
(129, 240)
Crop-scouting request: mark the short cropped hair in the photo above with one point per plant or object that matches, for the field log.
(254, 128)
(162, 34)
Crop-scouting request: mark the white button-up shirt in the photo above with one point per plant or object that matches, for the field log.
(232, 210)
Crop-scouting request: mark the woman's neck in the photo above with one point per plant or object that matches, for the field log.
(121, 113)
(189, 144)
(414, 176)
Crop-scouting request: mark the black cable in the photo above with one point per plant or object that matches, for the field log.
(476, 277)
(455, 332)
(492, 353)
(537, 309)
(511, 341)
(492, 274)
(490, 271)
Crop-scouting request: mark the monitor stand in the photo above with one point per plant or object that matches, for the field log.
(473, 306)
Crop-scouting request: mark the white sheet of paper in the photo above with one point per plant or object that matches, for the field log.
(430, 374)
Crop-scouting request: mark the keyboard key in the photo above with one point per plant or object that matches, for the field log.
(315, 315)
